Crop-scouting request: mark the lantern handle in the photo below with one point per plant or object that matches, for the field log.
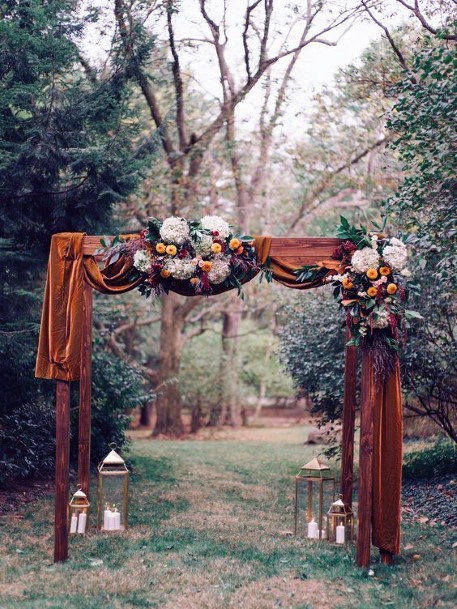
(112, 445)
(79, 486)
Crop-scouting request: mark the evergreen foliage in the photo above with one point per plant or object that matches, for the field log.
(423, 122)
(66, 157)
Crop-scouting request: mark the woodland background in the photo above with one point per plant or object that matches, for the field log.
(96, 139)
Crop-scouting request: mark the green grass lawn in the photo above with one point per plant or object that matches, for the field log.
(210, 528)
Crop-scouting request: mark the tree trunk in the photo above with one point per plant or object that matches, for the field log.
(230, 399)
(145, 415)
(168, 404)
(195, 421)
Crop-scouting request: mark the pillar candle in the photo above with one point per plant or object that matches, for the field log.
(340, 534)
(323, 533)
(74, 524)
(117, 520)
(106, 515)
(82, 523)
(111, 521)
(313, 530)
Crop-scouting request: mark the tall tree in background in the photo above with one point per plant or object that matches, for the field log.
(189, 142)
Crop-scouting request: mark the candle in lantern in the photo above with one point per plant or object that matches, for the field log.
(111, 522)
(74, 524)
(323, 534)
(106, 515)
(82, 523)
(313, 530)
(117, 520)
(340, 536)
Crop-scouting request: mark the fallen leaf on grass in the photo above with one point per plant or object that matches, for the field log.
(416, 557)
(409, 547)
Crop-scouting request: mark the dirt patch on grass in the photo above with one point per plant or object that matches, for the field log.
(267, 593)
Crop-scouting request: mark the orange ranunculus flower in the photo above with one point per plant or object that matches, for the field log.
(234, 244)
(206, 266)
(194, 280)
(392, 288)
(372, 292)
(171, 250)
(216, 248)
(372, 273)
(160, 248)
(385, 270)
(347, 284)
(165, 273)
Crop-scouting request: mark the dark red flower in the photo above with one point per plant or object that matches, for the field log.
(183, 253)
(344, 251)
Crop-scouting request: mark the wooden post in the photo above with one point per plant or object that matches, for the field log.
(349, 406)
(85, 393)
(366, 462)
(62, 470)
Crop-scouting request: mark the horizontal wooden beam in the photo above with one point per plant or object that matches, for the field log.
(299, 250)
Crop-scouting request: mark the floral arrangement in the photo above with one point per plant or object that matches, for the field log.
(370, 278)
(190, 255)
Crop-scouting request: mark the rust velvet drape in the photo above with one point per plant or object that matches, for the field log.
(60, 344)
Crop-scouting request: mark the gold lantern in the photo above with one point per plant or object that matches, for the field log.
(78, 513)
(113, 489)
(313, 490)
(340, 523)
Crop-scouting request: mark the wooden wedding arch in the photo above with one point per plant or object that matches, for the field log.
(296, 252)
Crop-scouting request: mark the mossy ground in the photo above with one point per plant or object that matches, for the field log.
(210, 529)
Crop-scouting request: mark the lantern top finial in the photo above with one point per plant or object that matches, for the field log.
(80, 493)
(113, 458)
(339, 502)
(315, 464)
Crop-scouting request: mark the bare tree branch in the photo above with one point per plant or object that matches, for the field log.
(416, 10)
(395, 48)
(177, 79)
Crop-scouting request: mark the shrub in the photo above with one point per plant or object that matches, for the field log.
(439, 459)
(312, 351)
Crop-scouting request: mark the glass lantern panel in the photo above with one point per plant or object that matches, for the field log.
(113, 501)
(78, 520)
(341, 528)
(313, 497)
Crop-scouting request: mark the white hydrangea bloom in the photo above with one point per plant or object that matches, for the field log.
(216, 224)
(364, 259)
(381, 319)
(142, 261)
(175, 230)
(220, 270)
(203, 245)
(181, 269)
(395, 254)
(406, 273)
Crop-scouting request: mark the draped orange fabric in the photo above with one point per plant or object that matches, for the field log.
(59, 346)
(387, 462)
(281, 269)
(59, 357)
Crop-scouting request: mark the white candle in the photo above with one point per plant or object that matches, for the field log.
(117, 520)
(323, 533)
(74, 524)
(313, 530)
(111, 522)
(106, 515)
(340, 533)
(82, 523)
